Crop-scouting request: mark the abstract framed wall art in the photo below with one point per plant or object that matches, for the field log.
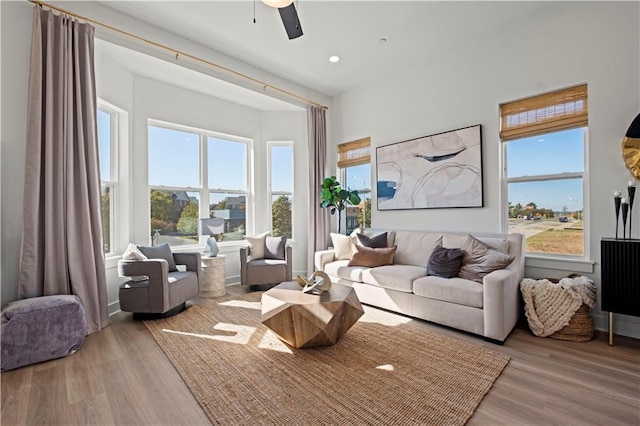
(437, 171)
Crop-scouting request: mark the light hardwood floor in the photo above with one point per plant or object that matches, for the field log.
(121, 377)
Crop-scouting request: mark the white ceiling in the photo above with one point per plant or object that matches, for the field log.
(349, 29)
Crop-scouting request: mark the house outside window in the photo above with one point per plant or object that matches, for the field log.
(354, 160)
(545, 174)
(107, 122)
(187, 166)
(280, 164)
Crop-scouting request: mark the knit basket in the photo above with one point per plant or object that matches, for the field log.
(580, 327)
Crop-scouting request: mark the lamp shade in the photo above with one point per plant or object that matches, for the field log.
(277, 3)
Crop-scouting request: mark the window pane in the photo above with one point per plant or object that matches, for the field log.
(358, 177)
(282, 168)
(232, 208)
(174, 217)
(281, 215)
(360, 215)
(227, 164)
(552, 153)
(106, 218)
(104, 144)
(549, 214)
(173, 158)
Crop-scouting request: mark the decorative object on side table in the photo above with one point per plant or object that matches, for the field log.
(317, 283)
(617, 200)
(211, 247)
(211, 227)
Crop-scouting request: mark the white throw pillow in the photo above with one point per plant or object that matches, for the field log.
(133, 253)
(343, 245)
(256, 245)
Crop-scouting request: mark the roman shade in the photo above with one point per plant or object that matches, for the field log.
(354, 153)
(551, 112)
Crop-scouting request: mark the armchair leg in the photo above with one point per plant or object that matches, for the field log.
(143, 316)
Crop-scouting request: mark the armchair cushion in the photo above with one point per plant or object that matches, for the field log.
(274, 247)
(162, 251)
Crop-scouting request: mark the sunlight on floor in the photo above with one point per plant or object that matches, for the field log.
(270, 341)
(242, 333)
(242, 304)
(386, 367)
(376, 316)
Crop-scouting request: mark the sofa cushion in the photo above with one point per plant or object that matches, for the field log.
(480, 260)
(379, 241)
(394, 277)
(454, 290)
(343, 245)
(341, 269)
(415, 248)
(371, 257)
(445, 262)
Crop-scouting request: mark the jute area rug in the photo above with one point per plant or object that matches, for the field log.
(383, 371)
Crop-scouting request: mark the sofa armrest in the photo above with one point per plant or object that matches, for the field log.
(322, 257)
(501, 302)
(289, 257)
(158, 272)
(244, 252)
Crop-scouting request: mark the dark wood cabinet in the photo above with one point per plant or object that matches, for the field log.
(620, 289)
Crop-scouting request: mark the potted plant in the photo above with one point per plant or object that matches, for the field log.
(336, 198)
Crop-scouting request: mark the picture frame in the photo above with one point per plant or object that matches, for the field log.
(442, 170)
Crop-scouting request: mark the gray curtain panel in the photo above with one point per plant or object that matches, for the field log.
(62, 248)
(318, 217)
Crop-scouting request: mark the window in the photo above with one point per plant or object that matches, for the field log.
(107, 120)
(281, 187)
(186, 166)
(354, 158)
(545, 170)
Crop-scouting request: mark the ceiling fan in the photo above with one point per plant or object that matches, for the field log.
(289, 16)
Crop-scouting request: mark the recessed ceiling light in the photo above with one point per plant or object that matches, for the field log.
(334, 58)
(382, 40)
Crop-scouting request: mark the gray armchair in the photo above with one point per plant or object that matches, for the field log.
(153, 289)
(264, 271)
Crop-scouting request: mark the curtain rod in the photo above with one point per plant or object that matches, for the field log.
(179, 53)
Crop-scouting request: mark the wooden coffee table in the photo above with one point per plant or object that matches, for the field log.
(305, 320)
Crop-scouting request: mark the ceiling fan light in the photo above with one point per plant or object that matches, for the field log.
(277, 3)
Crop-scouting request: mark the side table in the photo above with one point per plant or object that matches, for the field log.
(213, 280)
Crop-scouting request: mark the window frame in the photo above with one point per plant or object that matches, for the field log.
(581, 263)
(203, 189)
(271, 192)
(344, 178)
(112, 183)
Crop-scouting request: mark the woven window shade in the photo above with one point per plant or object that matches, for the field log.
(354, 153)
(551, 112)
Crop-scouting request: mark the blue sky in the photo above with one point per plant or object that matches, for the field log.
(553, 153)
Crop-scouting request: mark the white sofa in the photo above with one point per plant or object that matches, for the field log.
(490, 309)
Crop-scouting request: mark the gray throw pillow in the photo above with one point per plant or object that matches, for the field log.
(162, 251)
(274, 247)
(480, 260)
(445, 262)
(379, 241)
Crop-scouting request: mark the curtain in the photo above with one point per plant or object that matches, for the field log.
(62, 248)
(318, 217)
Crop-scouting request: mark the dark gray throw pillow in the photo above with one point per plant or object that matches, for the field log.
(445, 262)
(163, 251)
(379, 241)
(274, 247)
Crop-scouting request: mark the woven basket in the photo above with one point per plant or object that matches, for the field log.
(579, 329)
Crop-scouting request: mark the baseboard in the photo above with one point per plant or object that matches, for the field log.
(623, 325)
(113, 308)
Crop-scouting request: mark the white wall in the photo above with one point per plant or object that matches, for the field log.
(558, 46)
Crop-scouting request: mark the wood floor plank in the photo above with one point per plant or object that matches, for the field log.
(121, 377)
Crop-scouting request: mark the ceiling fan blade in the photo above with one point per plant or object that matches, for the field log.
(290, 20)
